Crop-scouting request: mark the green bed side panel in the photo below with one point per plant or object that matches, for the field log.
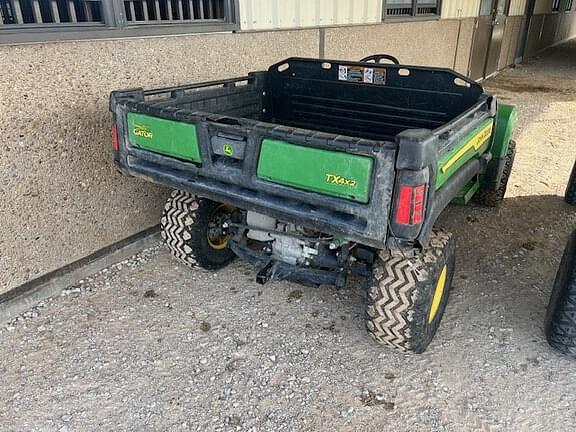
(333, 173)
(472, 145)
(167, 137)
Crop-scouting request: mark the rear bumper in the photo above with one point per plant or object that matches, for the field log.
(363, 223)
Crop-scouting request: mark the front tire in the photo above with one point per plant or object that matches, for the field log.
(408, 295)
(193, 229)
(560, 322)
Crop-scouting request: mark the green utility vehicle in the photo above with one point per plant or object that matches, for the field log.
(318, 169)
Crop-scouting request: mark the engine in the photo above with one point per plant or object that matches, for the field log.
(289, 243)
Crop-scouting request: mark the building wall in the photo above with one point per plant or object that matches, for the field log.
(514, 25)
(548, 29)
(430, 43)
(517, 7)
(454, 9)
(513, 33)
(542, 7)
(284, 14)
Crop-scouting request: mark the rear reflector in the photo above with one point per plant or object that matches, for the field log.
(410, 206)
(115, 138)
(418, 208)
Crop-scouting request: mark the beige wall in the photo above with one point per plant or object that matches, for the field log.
(430, 43)
(517, 7)
(542, 7)
(283, 14)
(510, 40)
(545, 30)
(460, 8)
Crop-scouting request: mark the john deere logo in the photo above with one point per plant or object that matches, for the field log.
(228, 150)
(143, 131)
(341, 181)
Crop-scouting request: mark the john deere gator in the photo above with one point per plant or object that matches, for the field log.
(318, 169)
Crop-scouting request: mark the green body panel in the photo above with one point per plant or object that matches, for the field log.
(472, 145)
(328, 172)
(466, 194)
(164, 136)
(505, 122)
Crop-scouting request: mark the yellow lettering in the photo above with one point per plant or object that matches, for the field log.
(341, 181)
(143, 131)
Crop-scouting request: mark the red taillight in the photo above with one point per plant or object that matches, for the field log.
(404, 205)
(115, 138)
(410, 206)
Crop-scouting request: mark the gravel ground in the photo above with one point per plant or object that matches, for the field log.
(151, 345)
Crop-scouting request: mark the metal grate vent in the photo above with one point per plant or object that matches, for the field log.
(171, 11)
(411, 8)
(19, 12)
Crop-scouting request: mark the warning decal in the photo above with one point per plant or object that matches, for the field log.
(361, 74)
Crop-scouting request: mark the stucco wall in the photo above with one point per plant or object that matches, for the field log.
(61, 197)
(430, 43)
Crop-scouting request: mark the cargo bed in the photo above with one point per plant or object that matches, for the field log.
(325, 97)
(319, 143)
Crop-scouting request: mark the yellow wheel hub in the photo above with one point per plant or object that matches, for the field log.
(218, 242)
(438, 294)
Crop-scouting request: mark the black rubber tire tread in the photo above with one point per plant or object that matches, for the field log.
(493, 197)
(401, 294)
(560, 321)
(184, 226)
(570, 194)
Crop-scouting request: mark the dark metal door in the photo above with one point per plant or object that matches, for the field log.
(530, 4)
(499, 14)
(482, 39)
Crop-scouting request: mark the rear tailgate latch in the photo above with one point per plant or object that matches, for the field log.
(232, 146)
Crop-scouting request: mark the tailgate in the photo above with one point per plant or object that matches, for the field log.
(327, 172)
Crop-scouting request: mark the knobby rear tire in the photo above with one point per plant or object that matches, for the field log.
(560, 321)
(184, 228)
(402, 296)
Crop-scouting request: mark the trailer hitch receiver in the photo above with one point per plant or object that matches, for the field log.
(266, 273)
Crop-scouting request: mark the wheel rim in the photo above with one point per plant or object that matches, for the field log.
(438, 294)
(217, 235)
